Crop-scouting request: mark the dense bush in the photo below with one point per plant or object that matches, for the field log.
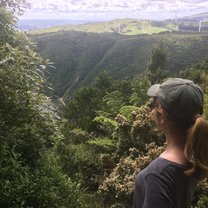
(118, 187)
(30, 175)
(44, 186)
(132, 136)
(135, 132)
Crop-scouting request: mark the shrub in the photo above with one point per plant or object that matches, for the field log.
(118, 187)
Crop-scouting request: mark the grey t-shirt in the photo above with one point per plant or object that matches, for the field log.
(163, 184)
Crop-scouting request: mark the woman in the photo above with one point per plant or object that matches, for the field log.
(170, 180)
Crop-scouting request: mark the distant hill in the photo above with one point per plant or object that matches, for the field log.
(198, 22)
(121, 26)
(79, 57)
(196, 17)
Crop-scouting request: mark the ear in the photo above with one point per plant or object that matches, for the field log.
(161, 115)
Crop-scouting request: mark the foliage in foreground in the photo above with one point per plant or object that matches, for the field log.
(30, 175)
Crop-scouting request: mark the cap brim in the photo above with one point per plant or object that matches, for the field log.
(153, 90)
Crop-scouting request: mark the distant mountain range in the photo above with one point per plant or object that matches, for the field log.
(121, 26)
(196, 17)
(126, 26)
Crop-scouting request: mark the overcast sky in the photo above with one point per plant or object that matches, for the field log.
(111, 9)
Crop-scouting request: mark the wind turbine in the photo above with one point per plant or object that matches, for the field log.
(176, 16)
(200, 23)
(200, 26)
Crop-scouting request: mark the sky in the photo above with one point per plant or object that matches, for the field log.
(95, 10)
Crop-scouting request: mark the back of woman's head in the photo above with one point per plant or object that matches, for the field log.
(183, 102)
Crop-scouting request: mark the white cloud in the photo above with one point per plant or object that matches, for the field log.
(73, 9)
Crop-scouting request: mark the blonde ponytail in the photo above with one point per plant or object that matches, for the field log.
(196, 148)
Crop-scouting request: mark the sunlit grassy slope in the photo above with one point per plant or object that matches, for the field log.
(122, 26)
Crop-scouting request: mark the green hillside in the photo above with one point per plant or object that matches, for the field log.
(80, 57)
(122, 26)
(74, 54)
(133, 26)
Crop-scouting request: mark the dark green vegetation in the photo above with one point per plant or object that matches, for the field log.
(109, 135)
(80, 57)
(30, 172)
(88, 152)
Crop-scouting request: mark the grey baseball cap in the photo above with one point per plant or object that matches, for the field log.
(180, 97)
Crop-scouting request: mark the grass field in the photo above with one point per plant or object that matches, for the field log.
(122, 26)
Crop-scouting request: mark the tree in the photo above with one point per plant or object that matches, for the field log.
(81, 110)
(9, 12)
(14, 6)
(114, 101)
(157, 68)
(29, 173)
(104, 82)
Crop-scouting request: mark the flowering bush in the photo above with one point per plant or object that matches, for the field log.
(118, 187)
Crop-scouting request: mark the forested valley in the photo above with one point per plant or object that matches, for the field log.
(83, 148)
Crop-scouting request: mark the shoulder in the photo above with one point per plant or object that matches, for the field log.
(163, 169)
(160, 165)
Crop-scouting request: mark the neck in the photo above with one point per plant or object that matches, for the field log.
(175, 148)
